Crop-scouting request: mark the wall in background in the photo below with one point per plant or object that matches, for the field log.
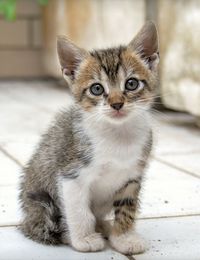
(89, 23)
(180, 54)
(21, 42)
(28, 44)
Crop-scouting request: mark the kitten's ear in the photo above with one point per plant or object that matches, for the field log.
(145, 44)
(70, 56)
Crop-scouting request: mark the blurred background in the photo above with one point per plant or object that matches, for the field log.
(28, 30)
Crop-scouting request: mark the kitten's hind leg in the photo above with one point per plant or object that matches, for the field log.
(42, 221)
(123, 237)
(80, 220)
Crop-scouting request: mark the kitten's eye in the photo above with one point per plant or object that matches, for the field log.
(97, 89)
(132, 84)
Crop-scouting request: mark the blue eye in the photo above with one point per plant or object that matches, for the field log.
(97, 89)
(132, 84)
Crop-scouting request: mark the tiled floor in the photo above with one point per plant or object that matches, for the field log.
(170, 210)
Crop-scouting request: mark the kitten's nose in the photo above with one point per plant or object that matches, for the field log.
(117, 106)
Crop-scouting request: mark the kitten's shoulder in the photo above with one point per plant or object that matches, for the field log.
(62, 128)
(67, 117)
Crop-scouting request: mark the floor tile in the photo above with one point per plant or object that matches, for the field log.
(9, 174)
(171, 238)
(186, 162)
(14, 246)
(10, 212)
(44, 95)
(27, 108)
(167, 238)
(175, 133)
(169, 192)
(19, 121)
(166, 192)
(22, 151)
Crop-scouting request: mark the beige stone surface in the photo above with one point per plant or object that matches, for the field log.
(13, 33)
(179, 23)
(99, 24)
(21, 63)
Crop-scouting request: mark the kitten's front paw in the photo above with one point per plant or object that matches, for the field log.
(128, 244)
(90, 243)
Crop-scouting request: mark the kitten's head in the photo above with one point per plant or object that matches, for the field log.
(115, 83)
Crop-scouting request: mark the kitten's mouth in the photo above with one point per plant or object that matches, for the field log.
(118, 114)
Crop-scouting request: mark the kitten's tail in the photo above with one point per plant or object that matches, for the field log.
(49, 228)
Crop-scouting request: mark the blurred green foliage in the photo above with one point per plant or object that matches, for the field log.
(8, 8)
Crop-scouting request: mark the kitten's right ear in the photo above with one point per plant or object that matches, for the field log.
(70, 56)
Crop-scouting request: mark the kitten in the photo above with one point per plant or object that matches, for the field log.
(92, 159)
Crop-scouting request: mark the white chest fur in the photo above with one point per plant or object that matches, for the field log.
(116, 151)
(115, 154)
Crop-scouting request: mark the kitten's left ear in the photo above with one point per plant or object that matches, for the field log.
(146, 44)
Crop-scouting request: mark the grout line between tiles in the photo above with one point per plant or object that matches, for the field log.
(9, 225)
(11, 157)
(172, 216)
(13, 185)
(178, 153)
(145, 218)
(176, 167)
